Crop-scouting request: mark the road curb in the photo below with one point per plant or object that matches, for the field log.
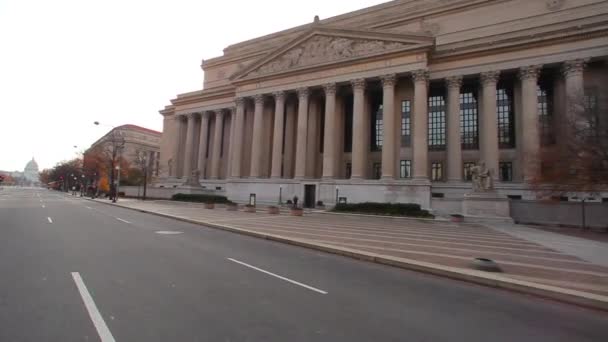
(580, 298)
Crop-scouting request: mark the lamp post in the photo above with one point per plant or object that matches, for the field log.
(115, 198)
(337, 194)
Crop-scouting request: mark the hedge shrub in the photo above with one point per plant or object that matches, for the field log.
(200, 198)
(391, 209)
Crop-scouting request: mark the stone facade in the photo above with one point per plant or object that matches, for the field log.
(390, 103)
(137, 140)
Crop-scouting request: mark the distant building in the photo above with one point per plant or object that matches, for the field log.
(137, 140)
(30, 173)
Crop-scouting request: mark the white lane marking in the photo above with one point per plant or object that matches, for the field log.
(125, 221)
(278, 276)
(43, 206)
(88, 207)
(168, 232)
(50, 220)
(100, 324)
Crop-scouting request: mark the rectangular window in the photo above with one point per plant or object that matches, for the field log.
(377, 170)
(437, 171)
(405, 169)
(506, 171)
(506, 122)
(466, 171)
(348, 124)
(469, 124)
(378, 129)
(406, 123)
(545, 113)
(437, 123)
(592, 116)
(349, 170)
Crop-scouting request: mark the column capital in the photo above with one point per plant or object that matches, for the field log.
(573, 67)
(454, 82)
(489, 78)
(529, 72)
(239, 101)
(420, 75)
(191, 116)
(206, 114)
(258, 99)
(330, 89)
(220, 112)
(279, 95)
(358, 84)
(388, 80)
(303, 92)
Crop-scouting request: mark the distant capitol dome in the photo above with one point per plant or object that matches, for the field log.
(31, 171)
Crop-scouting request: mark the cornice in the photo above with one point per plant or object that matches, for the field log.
(204, 95)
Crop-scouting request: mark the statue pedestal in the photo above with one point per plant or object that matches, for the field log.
(486, 205)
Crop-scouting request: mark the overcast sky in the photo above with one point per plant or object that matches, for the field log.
(67, 63)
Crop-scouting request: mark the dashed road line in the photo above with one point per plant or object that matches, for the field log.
(100, 325)
(125, 221)
(49, 219)
(279, 277)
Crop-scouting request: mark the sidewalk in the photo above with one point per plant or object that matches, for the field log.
(543, 262)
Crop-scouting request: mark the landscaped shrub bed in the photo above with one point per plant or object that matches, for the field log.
(390, 209)
(200, 198)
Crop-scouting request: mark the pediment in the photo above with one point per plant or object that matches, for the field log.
(323, 46)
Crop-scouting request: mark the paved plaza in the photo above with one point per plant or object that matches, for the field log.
(523, 253)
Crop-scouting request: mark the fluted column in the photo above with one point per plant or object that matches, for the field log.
(302, 133)
(420, 124)
(237, 139)
(575, 88)
(330, 147)
(258, 137)
(454, 147)
(360, 133)
(188, 156)
(203, 143)
(530, 143)
(177, 129)
(228, 155)
(389, 118)
(217, 145)
(277, 146)
(489, 120)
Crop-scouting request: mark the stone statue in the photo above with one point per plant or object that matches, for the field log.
(482, 178)
(194, 178)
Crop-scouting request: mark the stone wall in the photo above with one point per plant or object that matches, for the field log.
(559, 213)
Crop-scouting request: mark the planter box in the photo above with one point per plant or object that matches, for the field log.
(232, 207)
(250, 209)
(209, 205)
(296, 212)
(457, 218)
(274, 210)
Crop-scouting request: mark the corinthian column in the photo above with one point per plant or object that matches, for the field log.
(489, 120)
(530, 142)
(330, 148)
(390, 138)
(454, 148)
(188, 157)
(177, 130)
(217, 144)
(300, 171)
(237, 139)
(575, 88)
(360, 133)
(203, 143)
(258, 137)
(420, 124)
(277, 148)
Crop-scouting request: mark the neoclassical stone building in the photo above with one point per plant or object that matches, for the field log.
(390, 103)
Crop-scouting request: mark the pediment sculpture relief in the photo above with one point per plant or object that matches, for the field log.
(325, 49)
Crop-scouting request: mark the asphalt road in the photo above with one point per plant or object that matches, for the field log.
(76, 270)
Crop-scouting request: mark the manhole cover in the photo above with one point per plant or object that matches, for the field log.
(168, 232)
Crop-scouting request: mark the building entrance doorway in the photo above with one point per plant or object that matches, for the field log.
(309, 195)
